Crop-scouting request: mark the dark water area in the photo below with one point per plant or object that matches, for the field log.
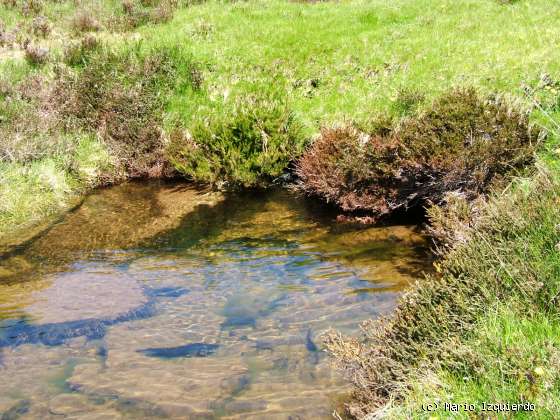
(160, 301)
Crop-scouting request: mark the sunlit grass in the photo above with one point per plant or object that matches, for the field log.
(519, 357)
(350, 59)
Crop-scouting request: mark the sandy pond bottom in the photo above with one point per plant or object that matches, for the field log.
(158, 301)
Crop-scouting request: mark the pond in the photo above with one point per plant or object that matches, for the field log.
(155, 300)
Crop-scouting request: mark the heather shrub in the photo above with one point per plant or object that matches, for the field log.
(79, 53)
(162, 13)
(139, 13)
(463, 143)
(83, 21)
(29, 122)
(35, 54)
(3, 31)
(7, 37)
(41, 26)
(32, 7)
(122, 97)
(248, 146)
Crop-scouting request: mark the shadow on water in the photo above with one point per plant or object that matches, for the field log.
(54, 334)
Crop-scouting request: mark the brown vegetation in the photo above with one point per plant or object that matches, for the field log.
(40, 26)
(137, 13)
(77, 53)
(7, 37)
(28, 114)
(83, 21)
(32, 7)
(463, 144)
(121, 98)
(35, 54)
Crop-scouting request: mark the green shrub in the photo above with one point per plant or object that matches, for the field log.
(248, 146)
(462, 144)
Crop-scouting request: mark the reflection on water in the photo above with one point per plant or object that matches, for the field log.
(158, 301)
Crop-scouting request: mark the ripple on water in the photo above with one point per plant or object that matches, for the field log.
(214, 313)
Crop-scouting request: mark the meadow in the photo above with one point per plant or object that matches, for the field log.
(231, 94)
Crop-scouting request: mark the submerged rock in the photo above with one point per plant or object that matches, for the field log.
(57, 333)
(17, 410)
(188, 350)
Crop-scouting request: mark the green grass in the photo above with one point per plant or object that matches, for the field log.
(519, 357)
(360, 54)
(33, 192)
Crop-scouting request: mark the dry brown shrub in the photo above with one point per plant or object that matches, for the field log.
(8, 37)
(3, 32)
(150, 3)
(84, 21)
(35, 54)
(162, 13)
(40, 26)
(77, 53)
(137, 13)
(129, 7)
(463, 144)
(32, 7)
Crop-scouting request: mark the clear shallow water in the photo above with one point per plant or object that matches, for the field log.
(157, 301)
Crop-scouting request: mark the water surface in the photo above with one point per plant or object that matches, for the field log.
(159, 301)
